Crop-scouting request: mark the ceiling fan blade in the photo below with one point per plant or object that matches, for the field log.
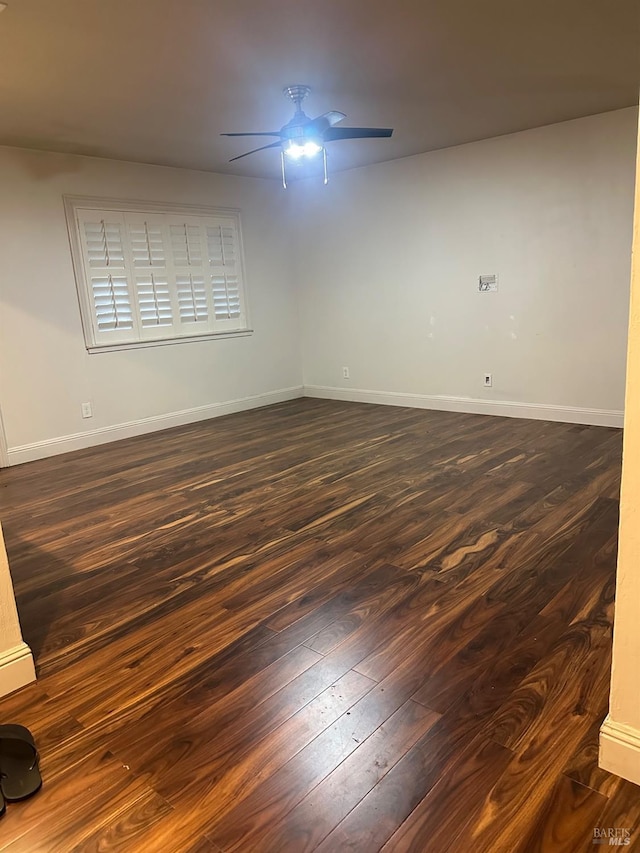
(334, 133)
(260, 133)
(255, 150)
(332, 117)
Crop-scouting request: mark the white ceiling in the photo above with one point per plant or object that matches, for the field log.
(156, 81)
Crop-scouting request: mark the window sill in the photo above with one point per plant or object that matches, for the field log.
(161, 342)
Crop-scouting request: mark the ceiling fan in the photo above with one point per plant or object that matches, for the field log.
(304, 137)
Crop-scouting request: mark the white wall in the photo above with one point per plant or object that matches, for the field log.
(45, 371)
(389, 258)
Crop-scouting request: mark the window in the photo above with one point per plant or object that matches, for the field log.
(151, 274)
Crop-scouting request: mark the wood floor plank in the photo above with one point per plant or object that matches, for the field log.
(319, 625)
(325, 806)
(583, 767)
(380, 813)
(621, 813)
(567, 820)
(232, 773)
(548, 695)
(445, 618)
(521, 636)
(85, 797)
(528, 781)
(282, 688)
(249, 823)
(444, 818)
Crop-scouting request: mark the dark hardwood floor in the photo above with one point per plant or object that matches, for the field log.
(319, 626)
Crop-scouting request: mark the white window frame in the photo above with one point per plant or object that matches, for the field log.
(77, 207)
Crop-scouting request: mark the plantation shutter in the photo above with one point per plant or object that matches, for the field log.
(150, 257)
(103, 241)
(225, 280)
(188, 255)
(158, 275)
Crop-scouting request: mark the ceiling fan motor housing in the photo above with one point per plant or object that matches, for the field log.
(301, 130)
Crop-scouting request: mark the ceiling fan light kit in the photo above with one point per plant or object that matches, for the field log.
(303, 138)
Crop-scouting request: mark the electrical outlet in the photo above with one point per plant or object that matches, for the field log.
(345, 373)
(488, 380)
(86, 410)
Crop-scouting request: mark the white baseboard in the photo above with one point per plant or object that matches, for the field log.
(91, 438)
(620, 750)
(16, 669)
(471, 405)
